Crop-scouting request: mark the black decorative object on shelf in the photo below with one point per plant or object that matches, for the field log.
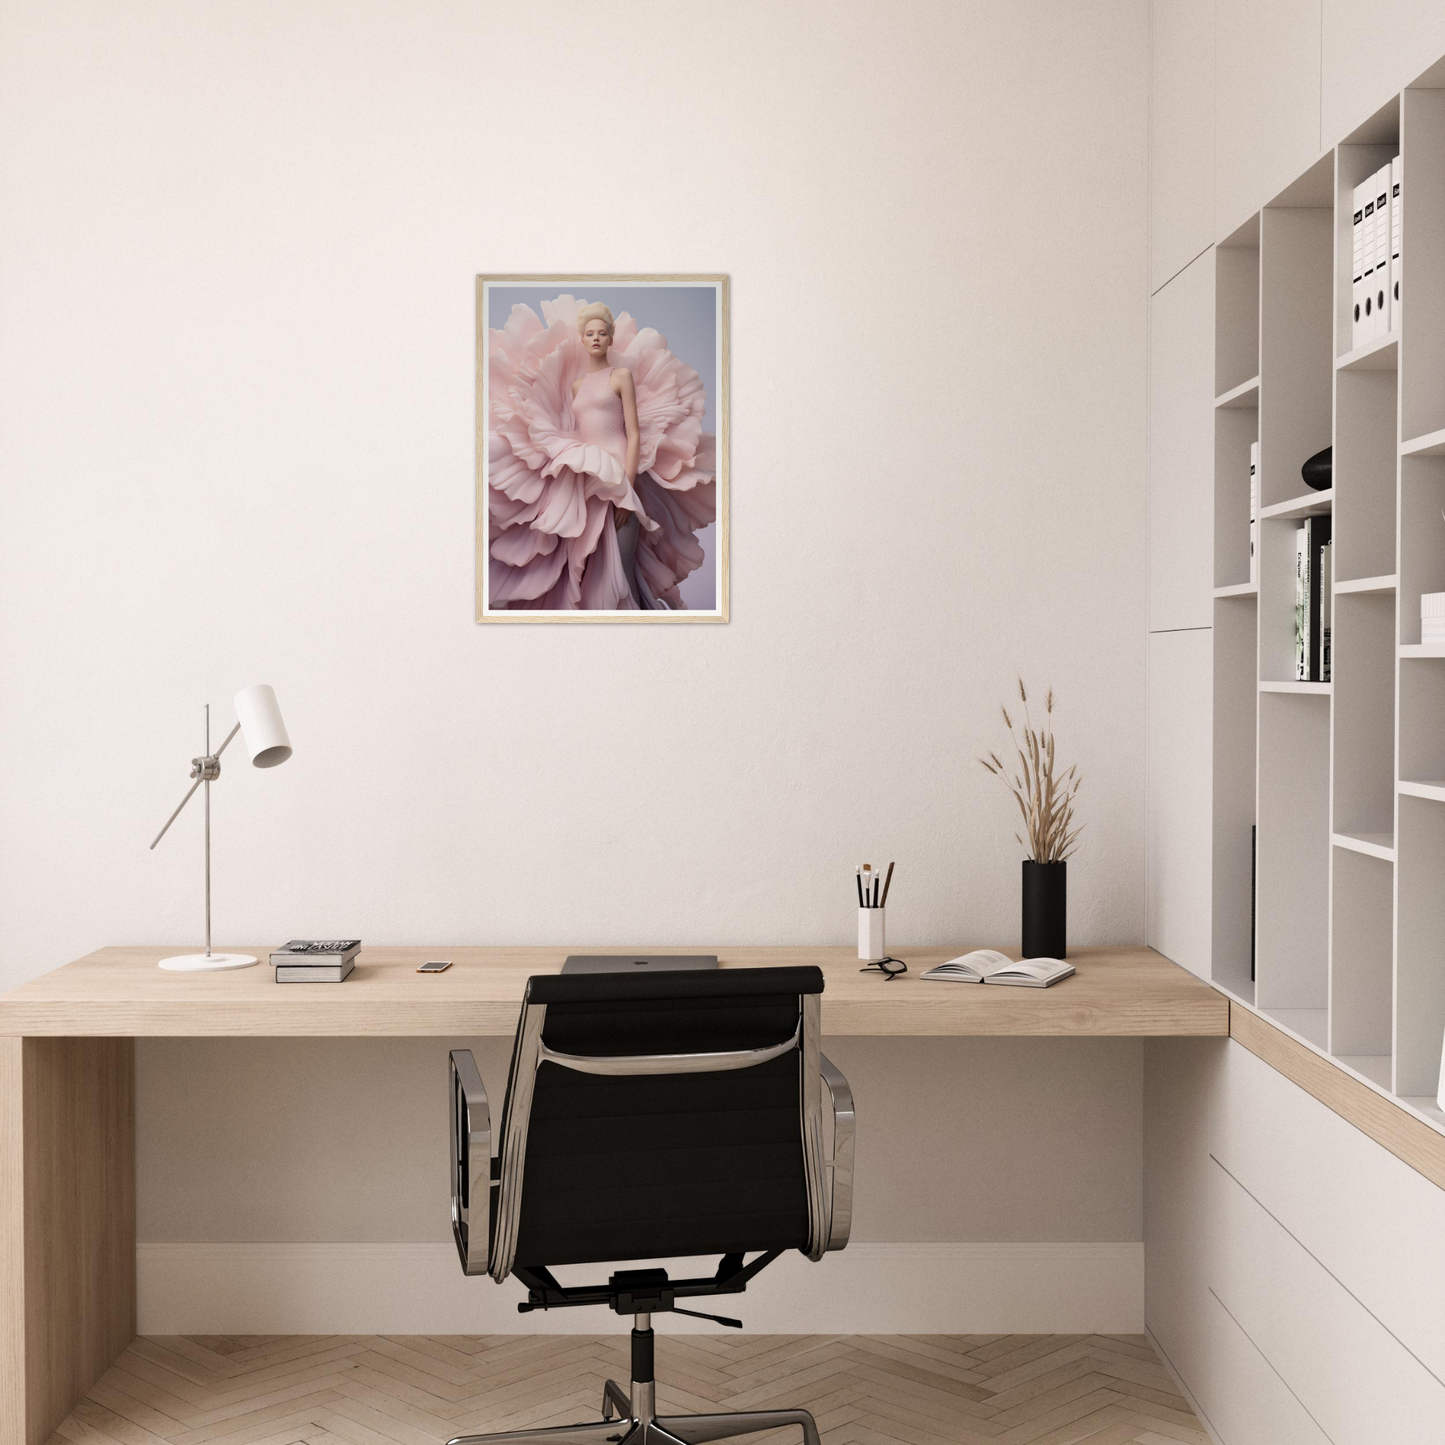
(1319, 471)
(1046, 909)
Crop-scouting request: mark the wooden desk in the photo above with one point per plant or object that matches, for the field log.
(119, 992)
(67, 1092)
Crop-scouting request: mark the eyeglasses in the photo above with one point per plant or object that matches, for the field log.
(890, 968)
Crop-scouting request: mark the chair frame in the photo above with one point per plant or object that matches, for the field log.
(487, 1203)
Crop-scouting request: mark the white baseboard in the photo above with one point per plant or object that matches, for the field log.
(313, 1289)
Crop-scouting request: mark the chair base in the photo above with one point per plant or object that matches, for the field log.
(641, 1427)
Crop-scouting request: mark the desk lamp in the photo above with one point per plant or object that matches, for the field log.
(258, 720)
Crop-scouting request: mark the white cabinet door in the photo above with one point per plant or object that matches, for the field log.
(1266, 103)
(1358, 1382)
(1178, 900)
(1245, 1400)
(1370, 52)
(1366, 1216)
(1181, 450)
(1181, 134)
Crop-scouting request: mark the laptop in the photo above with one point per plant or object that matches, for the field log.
(637, 962)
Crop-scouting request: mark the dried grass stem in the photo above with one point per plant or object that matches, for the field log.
(1045, 797)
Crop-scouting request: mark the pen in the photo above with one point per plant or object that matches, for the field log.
(858, 879)
(887, 884)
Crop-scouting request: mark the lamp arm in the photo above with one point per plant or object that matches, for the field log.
(202, 774)
(227, 743)
(177, 813)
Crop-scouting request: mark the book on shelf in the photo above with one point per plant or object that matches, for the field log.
(1367, 261)
(1396, 227)
(1381, 293)
(1254, 514)
(314, 972)
(1301, 606)
(988, 965)
(1357, 267)
(316, 952)
(1310, 611)
(1326, 606)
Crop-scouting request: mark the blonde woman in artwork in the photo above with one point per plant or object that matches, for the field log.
(604, 406)
(600, 476)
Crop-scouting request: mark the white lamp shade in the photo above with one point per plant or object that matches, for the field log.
(262, 730)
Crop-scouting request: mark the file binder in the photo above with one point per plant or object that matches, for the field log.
(1382, 252)
(1357, 268)
(1396, 226)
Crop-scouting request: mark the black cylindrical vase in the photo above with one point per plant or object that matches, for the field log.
(1046, 909)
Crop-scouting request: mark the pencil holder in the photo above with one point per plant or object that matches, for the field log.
(871, 946)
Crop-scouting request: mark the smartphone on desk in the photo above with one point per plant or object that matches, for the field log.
(435, 965)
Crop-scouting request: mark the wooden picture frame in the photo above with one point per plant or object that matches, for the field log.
(563, 533)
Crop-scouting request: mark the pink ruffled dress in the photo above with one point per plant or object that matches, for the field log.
(556, 468)
(602, 424)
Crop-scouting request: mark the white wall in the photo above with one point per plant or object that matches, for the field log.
(237, 256)
(236, 366)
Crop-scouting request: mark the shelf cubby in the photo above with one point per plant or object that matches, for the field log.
(1364, 703)
(1420, 964)
(1277, 603)
(1236, 313)
(1294, 852)
(1362, 902)
(1236, 705)
(1235, 429)
(1422, 537)
(1422, 721)
(1365, 459)
(1296, 367)
(1356, 160)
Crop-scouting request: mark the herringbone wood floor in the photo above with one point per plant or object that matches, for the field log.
(418, 1390)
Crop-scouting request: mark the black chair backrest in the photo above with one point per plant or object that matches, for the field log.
(647, 1166)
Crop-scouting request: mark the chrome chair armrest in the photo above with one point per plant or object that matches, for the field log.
(471, 1128)
(840, 1166)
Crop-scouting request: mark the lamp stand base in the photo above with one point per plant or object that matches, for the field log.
(207, 962)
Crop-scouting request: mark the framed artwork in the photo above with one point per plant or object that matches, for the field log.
(602, 473)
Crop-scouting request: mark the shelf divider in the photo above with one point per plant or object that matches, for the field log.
(1373, 845)
(1432, 444)
(1306, 689)
(1244, 397)
(1312, 504)
(1379, 355)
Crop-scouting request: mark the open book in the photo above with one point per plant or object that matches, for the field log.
(987, 965)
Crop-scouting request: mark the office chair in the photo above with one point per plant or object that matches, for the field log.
(652, 1117)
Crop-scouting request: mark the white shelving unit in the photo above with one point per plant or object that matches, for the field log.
(1344, 781)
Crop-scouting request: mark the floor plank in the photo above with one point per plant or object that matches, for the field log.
(424, 1389)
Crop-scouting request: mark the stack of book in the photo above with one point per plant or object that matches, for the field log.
(1312, 601)
(1375, 272)
(315, 960)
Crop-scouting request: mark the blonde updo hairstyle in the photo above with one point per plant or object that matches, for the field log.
(596, 312)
